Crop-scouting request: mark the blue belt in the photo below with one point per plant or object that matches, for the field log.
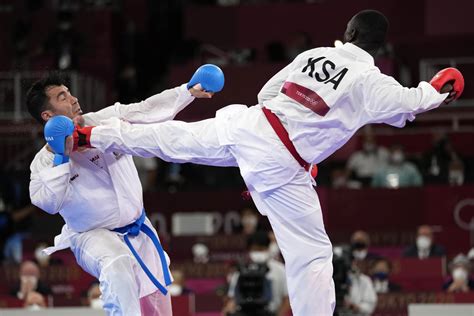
(134, 229)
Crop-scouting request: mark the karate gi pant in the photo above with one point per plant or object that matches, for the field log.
(104, 254)
(280, 187)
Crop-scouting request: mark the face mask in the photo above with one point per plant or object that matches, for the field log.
(456, 177)
(249, 221)
(34, 307)
(423, 242)
(259, 256)
(369, 147)
(459, 274)
(359, 254)
(30, 279)
(397, 157)
(381, 286)
(175, 289)
(380, 276)
(96, 303)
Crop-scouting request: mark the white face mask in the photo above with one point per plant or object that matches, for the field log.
(30, 279)
(259, 256)
(96, 303)
(360, 254)
(423, 243)
(175, 289)
(381, 286)
(398, 157)
(250, 221)
(459, 274)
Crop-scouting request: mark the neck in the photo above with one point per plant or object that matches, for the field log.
(366, 47)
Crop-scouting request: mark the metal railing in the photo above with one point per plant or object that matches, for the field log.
(14, 86)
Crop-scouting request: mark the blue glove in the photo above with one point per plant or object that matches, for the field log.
(56, 130)
(209, 76)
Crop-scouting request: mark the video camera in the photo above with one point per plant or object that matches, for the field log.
(253, 292)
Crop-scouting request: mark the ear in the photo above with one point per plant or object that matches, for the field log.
(46, 115)
(350, 35)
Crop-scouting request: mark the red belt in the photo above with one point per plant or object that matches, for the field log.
(283, 136)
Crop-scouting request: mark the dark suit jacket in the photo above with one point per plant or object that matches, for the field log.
(435, 251)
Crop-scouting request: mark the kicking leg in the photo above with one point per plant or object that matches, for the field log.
(173, 141)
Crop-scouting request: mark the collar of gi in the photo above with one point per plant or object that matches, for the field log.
(359, 53)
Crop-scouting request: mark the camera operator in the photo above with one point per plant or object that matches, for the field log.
(259, 287)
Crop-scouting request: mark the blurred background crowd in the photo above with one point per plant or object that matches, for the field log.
(398, 204)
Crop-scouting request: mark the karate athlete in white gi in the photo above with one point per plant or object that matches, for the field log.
(321, 99)
(96, 193)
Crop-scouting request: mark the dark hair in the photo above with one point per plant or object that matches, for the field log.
(371, 27)
(259, 238)
(383, 259)
(36, 97)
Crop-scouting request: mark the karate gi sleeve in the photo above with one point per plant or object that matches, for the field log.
(49, 186)
(157, 108)
(386, 101)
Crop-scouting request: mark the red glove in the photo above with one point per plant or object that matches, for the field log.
(82, 137)
(449, 75)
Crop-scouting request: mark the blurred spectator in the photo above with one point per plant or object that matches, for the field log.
(398, 172)
(258, 252)
(147, 171)
(65, 43)
(178, 287)
(299, 42)
(460, 281)
(34, 301)
(381, 277)
(360, 242)
(249, 220)
(470, 256)
(29, 281)
(200, 253)
(456, 172)
(363, 164)
(361, 299)
(93, 296)
(424, 246)
(438, 162)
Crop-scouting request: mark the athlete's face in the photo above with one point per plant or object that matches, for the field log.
(62, 102)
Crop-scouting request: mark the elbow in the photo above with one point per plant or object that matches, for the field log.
(43, 201)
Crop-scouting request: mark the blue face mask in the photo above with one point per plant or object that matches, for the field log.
(380, 276)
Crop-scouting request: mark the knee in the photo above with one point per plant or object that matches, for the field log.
(120, 265)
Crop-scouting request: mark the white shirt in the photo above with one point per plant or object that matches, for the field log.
(362, 293)
(276, 275)
(355, 92)
(366, 164)
(98, 189)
